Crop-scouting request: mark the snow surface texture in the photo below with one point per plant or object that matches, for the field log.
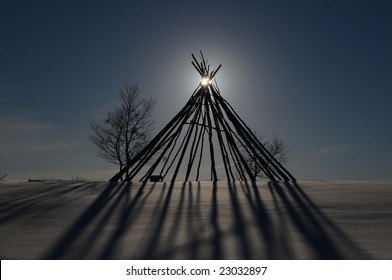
(196, 220)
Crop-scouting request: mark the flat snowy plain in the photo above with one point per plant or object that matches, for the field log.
(196, 220)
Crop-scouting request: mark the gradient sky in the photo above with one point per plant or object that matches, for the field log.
(316, 73)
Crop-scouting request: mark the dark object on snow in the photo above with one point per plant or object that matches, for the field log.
(156, 178)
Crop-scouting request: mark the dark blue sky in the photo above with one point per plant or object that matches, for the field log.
(316, 73)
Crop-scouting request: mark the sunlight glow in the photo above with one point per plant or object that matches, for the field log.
(205, 81)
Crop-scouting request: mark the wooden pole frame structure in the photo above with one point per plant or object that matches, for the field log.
(207, 121)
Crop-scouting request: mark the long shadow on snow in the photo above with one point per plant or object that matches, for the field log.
(150, 250)
(325, 239)
(291, 206)
(43, 199)
(105, 200)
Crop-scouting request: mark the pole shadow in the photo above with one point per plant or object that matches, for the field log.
(216, 241)
(239, 225)
(65, 246)
(243, 220)
(195, 225)
(321, 235)
(127, 218)
(271, 235)
(47, 197)
(150, 251)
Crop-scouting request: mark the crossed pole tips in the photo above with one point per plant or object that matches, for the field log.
(205, 137)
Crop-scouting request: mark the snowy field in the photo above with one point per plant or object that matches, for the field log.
(196, 220)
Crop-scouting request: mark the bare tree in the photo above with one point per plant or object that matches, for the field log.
(276, 147)
(125, 130)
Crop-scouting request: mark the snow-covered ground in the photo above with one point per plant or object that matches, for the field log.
(196, 220)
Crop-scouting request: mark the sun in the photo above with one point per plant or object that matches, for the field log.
(206, 81)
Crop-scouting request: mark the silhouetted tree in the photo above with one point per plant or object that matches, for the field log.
(126, 130)
(277, 148)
